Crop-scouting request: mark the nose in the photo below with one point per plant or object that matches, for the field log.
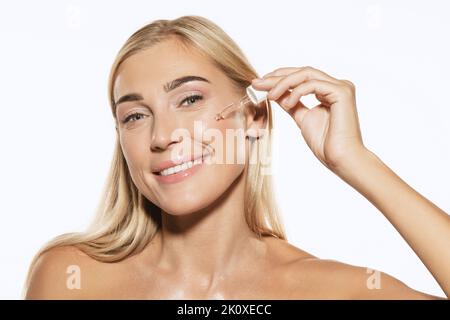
(162, 133)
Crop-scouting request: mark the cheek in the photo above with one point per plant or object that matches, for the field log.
(226, 137)
(134, 150)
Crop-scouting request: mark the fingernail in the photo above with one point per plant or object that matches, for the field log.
(257, 80)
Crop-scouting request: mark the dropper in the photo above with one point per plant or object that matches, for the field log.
(253, 96)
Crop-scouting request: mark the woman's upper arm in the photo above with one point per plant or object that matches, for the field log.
(355, 282)
(380, 285)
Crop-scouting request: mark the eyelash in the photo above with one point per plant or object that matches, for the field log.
(196, 96)
(133, 115)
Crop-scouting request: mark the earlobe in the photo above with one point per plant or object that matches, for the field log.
(254, 134)
(256, 122)
(253, 139)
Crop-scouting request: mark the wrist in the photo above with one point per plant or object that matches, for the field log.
(356, 163)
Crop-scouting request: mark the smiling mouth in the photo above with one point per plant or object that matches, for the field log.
(182, 166)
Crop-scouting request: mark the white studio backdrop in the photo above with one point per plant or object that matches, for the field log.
(57, 131)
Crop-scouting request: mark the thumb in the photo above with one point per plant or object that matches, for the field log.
(297, 112)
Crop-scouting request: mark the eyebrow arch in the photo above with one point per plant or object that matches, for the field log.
(129, 97)
(178, 82)
(169, 86)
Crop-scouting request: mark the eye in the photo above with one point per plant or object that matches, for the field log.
(192, 99)
(134, 117)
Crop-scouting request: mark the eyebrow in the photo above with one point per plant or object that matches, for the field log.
(169, 86)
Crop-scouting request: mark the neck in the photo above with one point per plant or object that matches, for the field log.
(212, 242)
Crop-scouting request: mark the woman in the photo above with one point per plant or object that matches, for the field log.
(207, 229)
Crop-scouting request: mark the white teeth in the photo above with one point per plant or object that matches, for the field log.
(180, 167)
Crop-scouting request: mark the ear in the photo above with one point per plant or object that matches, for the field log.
(256, 120)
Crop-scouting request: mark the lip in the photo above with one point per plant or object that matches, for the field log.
(169, 163)
(179, 176)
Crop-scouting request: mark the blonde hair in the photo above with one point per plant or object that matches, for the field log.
(126, 221)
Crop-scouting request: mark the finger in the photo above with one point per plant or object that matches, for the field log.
(296, 111)
(288, 70)
(270, 82)
(281, 71)
(324, 91)
(266, 84)
(296, 78)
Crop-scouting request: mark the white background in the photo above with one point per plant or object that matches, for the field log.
(57, 132)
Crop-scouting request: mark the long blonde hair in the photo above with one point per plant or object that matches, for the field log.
(126, 221)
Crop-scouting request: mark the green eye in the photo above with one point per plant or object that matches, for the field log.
(191, 100)
(134, 117)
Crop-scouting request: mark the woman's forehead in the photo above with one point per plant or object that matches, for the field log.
(162, 63)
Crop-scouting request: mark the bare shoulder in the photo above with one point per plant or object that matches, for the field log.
(305, 276)
(330, 279)
(58, 274)
(285, 253)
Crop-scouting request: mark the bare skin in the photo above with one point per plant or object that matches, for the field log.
(284, 272)
(208, 251)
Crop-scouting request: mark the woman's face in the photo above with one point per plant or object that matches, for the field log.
(159, 122)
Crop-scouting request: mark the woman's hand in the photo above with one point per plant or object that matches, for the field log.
(331, 129)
